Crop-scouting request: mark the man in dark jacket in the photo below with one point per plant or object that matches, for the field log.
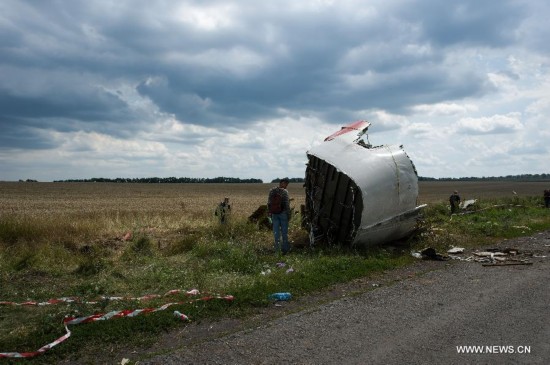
(278, 207)
(454, 199)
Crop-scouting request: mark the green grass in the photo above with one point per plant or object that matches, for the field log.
(235, 259)
(489, 220)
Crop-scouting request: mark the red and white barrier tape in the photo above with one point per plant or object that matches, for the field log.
(106, 316)
(77, 300)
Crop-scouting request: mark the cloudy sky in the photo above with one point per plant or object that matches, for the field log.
(244, 88)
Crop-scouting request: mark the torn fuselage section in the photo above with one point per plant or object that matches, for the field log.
(357, 193)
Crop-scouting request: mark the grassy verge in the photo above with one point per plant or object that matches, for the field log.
(489, 220)
(234, 259)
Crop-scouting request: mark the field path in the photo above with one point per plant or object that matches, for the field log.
(415, 315)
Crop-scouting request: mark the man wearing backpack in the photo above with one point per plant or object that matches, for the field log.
(278, 207)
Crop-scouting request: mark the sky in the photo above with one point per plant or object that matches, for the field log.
(245, 88)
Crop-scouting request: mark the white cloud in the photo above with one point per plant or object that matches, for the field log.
(100, 146)
(496, 124)
(207, 18)
(445, 109)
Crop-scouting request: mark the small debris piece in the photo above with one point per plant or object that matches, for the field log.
(461, 258)
(489, 254)
(522, 227)
(431, 254)
(283, 296)
(454, 250)
(468, 203)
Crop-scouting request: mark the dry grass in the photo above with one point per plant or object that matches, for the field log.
(187, 200)
(84, 213)
(439, 191)
(90, 211)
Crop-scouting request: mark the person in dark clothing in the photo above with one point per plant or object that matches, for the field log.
(547, 198)
(278, 207)
(454, 199)
(223, 210)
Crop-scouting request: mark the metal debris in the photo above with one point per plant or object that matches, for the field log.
(430, 254)
(357, 193)
(468, 203)
(454, 250)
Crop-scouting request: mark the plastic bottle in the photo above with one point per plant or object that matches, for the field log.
(280, 296)
(181, 316)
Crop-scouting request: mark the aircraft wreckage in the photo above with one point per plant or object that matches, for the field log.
(359, 194)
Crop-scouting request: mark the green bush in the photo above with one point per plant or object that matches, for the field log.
(142, 245)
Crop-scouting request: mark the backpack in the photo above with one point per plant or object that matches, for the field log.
(276, 206)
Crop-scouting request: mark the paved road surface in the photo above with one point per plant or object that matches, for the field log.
(418, 320)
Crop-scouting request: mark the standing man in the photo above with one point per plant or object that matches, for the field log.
(454, 199)
(547, 198)
(278, 207)
(223, 210)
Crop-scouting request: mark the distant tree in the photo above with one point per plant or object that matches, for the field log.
(291, 180)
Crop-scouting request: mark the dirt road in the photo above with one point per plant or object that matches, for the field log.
(416, 315)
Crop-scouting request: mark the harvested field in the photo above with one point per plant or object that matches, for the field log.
(438, 191)
(179, 199)
(199, 200)
(78, 213)
(105, 212)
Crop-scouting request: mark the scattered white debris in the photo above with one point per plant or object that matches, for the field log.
(456, 250)
(468, 203)
(461, 258)
(521, 227)
(489, 254)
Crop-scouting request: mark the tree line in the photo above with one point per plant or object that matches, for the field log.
(290, 180)
(222, 179)
(168, 180)
(522, 177)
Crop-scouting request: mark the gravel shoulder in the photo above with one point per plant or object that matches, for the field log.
(416, 315)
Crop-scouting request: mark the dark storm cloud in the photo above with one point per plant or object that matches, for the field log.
(309, 62)
(484, 23)
(16, 135)
(90, 107)
(22, 116)
(311, 78)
